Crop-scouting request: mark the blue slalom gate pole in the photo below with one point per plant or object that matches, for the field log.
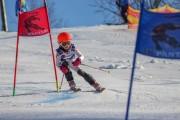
(130, 87)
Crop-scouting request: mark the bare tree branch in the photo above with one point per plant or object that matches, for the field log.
(108, 8)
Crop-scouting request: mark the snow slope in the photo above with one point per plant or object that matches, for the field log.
(156, 90)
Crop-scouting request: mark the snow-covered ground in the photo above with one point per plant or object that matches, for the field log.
(156, 89)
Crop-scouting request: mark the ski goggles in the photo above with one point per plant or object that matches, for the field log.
(64, 44)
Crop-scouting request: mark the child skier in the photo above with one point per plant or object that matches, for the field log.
(65, 61)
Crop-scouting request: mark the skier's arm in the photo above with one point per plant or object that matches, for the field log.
(60, 65)
(58, 62)
(79, 54)
(79, 59)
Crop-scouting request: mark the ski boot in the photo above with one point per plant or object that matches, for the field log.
(72, 86)
(75, 89)
(98, 88)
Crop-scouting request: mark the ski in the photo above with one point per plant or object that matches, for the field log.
(79, 90)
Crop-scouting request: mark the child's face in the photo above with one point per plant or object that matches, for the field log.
(65, 45)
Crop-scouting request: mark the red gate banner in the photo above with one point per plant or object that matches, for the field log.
(33, 23)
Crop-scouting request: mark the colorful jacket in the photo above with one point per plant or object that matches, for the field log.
(69, 56)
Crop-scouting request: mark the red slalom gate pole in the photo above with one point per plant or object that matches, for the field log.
(15, 70)
(55, 72)
(17, 46)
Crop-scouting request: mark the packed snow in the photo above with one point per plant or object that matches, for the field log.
(156, 88)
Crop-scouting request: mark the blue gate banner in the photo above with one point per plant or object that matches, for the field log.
(159, 35)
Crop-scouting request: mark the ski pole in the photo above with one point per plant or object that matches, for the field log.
(96, 68)
(61, 82)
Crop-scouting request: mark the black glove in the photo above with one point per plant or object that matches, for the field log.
(65, 64)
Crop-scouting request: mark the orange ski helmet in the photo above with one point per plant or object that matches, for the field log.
(64, 36)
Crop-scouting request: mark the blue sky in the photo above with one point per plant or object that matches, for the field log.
(78, 13)
(74, 13)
